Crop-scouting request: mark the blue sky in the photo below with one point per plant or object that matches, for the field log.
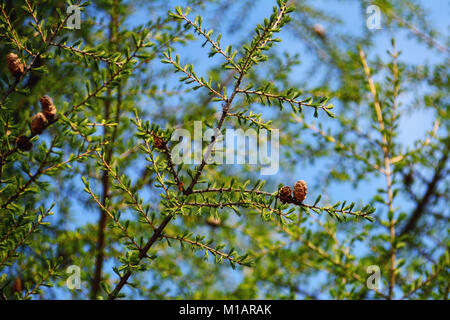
(413, 126)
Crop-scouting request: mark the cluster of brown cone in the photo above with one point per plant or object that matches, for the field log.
(48, 114)
(38, 122)
(300, 192)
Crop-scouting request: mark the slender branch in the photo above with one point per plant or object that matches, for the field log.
(431, 189)
(387, 164)
(214, 44)
(34, 226)
(280, 98)
(85, 53)
(258, 45)
(275, 194)
(207, 248)
(329, 138)
(35, 289)
(425, 37)
(114, 218)
(143, 253)
(33, 178)
(113, 32)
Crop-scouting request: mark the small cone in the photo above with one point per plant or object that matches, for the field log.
(38, 122)
(48, 108)
(319, 30)
(300, 190)
(50, 112)
(15, 66)
(213, 222)
(158, 142)
(46, 101)
(23, 143)
(285, 193)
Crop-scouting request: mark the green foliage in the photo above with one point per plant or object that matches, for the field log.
(168, 230)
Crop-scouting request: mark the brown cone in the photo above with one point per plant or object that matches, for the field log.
(213, 222)
(300, 190)
(23, 143)
(50, 112)
(15, 66)
(319, 30)
(46, 101)
(38, 122)
(285, 193)
(158, 142)
(48, 108)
